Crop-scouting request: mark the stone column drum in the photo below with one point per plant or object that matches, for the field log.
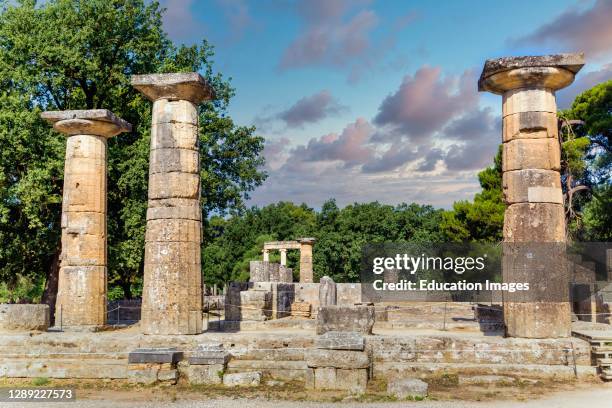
(532, 188)
(172, 291)
(81, 297)
(283, 256)
(306, 274)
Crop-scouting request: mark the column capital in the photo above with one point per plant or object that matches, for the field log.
(306, 241)
(545, 71)
(188, 86)
(97, 122)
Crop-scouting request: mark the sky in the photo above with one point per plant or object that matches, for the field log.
(365, 100)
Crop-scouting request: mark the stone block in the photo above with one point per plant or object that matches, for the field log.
(355, 381)
(285, 275)
(534, 222)
(138, 374)
(174, 112)
(155, 355)
(168, 375)
(23, 317)
(173, 230)
(191, 211)
(522, 154)
(174, 185)
(486, 379)
(250, 379)
(528, 100)
(538, 320)
(205, 374)
(259, 271)
(189, 86)
(172, 253)
(336, 358)
(174, 160)
(324, 378)
(407, 388)
(345, 318)
(301, 309)
(327, 291)
(529, 125)
(341, 341)
(532, 186)
(83, 249)
(175, 135)
(84, 223)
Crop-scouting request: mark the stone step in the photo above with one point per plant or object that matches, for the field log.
(63, 368)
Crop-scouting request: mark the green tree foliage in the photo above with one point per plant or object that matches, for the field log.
(587, 164)
(340, 235)
(483, 219)
(72, 54)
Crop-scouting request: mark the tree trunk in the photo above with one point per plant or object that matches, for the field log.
(127, 288)
(50, 294)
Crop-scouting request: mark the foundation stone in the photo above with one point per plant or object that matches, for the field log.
(358, 319)
(24, 317)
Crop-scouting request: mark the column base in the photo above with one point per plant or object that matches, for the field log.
(538, 320)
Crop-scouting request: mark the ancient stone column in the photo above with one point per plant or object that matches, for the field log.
(81, 297)
(327, 292)
(266, 255)
(172, 298)
(306, 259)
(534, 222)
(283, 254)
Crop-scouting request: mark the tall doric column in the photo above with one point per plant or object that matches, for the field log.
(172, 291)
(81, 296)
(306, 274)
(534, 221)
(283, 254)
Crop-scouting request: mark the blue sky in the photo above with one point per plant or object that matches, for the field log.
(366, 100)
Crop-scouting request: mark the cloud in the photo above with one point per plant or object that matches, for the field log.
(340, 34)
(581, 30)
(425, 102)
(178, 19)
(583, 81)
(311, 109)
(349, 147)
(238, 16)
(477, 136)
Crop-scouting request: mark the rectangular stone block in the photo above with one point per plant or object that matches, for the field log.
(155, 355)
(358, 319)
(177, 111)
(534, 222)
(174, 135)
(205, 374)
(522, 154)
(187, 212)
(172, 252)
(84, 223)
(341, 341)
(174, 160)
(537, 320)
(84, 192)
(173, 230)
(336, 358)
(174, 185)
(325, 378)
(532, 186)
(529, 125)
(86, 146)
(355, 381)
(83, 249)
(528, 100)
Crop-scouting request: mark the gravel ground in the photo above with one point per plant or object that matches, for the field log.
(598, 397)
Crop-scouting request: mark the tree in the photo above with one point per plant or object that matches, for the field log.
(75, 54)
(483, 219)
(587, 163)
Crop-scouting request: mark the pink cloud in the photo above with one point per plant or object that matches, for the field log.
(580, 30)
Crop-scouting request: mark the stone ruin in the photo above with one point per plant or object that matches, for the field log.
(339, 342)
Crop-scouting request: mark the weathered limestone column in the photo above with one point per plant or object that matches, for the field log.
(327, 292)
(172, 292)
(81, 296)
(306, 275)
(532, 188)
(266, 255)
(283, 254)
